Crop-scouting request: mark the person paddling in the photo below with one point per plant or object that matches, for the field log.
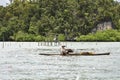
(65, 51)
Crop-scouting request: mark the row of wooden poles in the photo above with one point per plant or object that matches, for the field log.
(4, 44)
(48, 43)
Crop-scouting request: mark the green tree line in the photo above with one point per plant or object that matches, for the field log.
(40, 20)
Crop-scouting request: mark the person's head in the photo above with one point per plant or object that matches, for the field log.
(63, 46)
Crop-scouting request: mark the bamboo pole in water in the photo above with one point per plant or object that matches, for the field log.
(3, 41)
(3, 45)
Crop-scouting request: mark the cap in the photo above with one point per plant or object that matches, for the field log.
(63, 45)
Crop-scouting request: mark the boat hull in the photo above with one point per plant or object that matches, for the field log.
(77, 54)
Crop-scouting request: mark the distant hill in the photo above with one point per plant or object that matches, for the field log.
(41, 20)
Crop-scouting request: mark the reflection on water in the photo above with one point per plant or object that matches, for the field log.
(25, 63)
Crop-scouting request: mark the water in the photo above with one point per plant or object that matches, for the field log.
(21, 61)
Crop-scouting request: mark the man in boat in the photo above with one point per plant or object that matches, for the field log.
(65, 51)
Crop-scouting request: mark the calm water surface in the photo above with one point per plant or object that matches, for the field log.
(21, 61)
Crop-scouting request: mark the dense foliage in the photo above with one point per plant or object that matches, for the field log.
(108, 35)
(40, 20)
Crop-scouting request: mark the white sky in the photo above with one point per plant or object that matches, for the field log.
(3, 2)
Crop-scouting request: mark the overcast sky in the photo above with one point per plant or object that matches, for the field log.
(3, 2)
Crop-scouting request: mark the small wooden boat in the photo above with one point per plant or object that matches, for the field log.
(78, 54)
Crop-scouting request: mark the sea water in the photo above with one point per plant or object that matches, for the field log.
(21, 61)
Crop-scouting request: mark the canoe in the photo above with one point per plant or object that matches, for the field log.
(77, 54)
